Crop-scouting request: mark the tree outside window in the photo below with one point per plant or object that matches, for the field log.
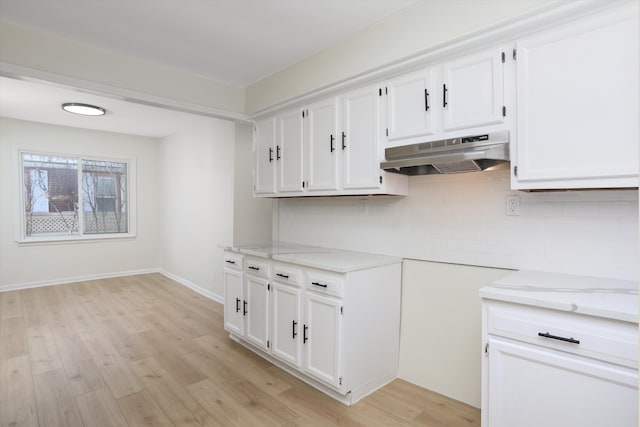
(52, 205)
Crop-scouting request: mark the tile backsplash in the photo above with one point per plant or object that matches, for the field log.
(462, 219)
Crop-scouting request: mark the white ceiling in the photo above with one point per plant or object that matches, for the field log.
(237, 42)
(38, 102)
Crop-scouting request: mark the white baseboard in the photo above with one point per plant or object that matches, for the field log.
(184, 282)
(62, 281)
(202, 291)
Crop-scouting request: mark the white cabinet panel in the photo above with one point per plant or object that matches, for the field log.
(257, 296)
(532, 387)
(409, 105)
(473, 92)
(320, 125)
(289, 151)
(322, 337)
(265, 156)
(233, 301)
(578, 104)
(287, 326)
(360, 138)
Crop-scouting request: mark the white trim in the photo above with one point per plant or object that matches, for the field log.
(501, 32)
(62, 281)
(19, 72)
(196, 288)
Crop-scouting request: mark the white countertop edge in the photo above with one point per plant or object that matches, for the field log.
(613, 314)
(372, 261)
(601, 297)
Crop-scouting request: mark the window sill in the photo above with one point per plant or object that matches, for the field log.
(63, 240)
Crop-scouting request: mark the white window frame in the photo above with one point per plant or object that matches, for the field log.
(131, 185)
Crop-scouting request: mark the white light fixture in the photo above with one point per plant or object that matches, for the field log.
(83, 109)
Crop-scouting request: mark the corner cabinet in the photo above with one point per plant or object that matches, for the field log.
(578, 104)
(331, 147)
(321, 326)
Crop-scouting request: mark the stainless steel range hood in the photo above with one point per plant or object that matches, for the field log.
(456, 155)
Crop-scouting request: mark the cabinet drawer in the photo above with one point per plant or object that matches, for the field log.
(257, 266)
(325, 283)
(598, 338)
(233, 260)
(288, 274)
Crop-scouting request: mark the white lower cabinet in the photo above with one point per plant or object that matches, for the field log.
(246, 298)
(322, 338)
(287, 323)
(531, 386)
(339, 332)
(233, 293)
(557, 369)
(257, 312)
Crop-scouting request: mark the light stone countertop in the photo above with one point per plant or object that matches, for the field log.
(336, 260)
(602, 297)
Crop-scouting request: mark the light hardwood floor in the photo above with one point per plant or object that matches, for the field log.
(146, 351)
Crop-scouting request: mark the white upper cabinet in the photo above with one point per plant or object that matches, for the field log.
(578, 104)
(410, 111)
(328, 148)
(265, 156)
(359, 140)
(473, 90)
(321, 129)
(461, 96)
(289, 151)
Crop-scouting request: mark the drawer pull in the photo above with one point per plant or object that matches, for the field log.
(305, 328)
(284, 276)
(229, 261)
(244, 308)
(322, 285)
(555, 337)
(237, 305)
(293, 328)
(254, 268)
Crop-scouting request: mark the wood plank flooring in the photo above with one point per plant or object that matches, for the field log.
(146, 351)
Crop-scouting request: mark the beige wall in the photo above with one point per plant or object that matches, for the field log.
(441, 335)
(415, 30)
(34, 263)
(252, 217)
(196, 176)
(61, 57)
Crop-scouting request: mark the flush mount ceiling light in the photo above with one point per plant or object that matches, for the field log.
(83, 109)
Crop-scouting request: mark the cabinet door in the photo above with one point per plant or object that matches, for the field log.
(530, 386)
(257, 296)
(265, 157)
(578, 102)
(233, 301)
(360, 138)
(321, 147)
(287, 326)
(289, 151)
(322, 337)
(473, 90)
(410, 105)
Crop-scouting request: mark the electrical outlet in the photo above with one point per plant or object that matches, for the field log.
(513, 205)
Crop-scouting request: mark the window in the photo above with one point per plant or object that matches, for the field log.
(69, 197)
